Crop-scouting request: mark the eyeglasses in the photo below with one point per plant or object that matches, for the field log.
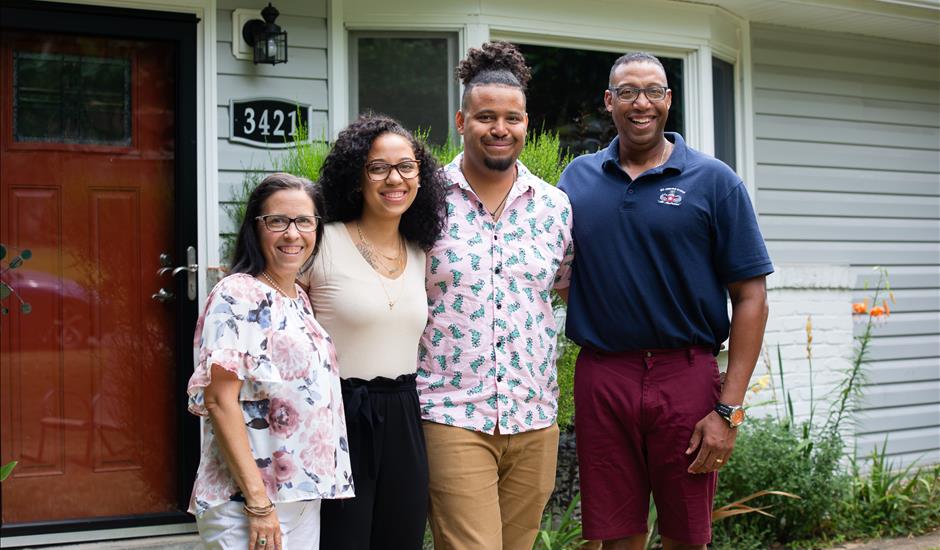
(631, 94)
(379, 171)
(278, 223)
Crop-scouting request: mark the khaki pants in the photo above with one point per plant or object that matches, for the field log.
(488, 492)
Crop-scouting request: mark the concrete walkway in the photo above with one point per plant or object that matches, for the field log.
(930, 541)
(175, 542)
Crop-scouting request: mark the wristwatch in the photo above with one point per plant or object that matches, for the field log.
(734, 414)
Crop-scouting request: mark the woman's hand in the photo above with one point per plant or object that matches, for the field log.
(264, 532)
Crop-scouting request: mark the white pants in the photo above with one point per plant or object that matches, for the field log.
(225, 527)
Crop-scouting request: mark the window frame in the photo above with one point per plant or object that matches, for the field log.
(352, 58)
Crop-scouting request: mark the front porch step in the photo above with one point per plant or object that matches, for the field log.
(175, 542)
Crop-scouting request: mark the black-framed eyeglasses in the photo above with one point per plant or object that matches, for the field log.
(278, 223)
(379, 171)
(631, 94)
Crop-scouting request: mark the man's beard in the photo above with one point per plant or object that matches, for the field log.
(499, 164)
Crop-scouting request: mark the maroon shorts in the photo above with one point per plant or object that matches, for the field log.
(634, 415)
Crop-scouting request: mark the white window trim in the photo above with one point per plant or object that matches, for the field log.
(468, 34)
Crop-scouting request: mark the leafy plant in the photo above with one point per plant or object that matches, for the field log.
(770, 455)
(563, 534)
(7, 469)
(889, 500)
(6, 290)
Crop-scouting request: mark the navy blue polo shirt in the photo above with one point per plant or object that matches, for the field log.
(653, 255)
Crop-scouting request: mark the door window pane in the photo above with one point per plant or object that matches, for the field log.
(723, 99)
(566, 94)
(71, 99)
(410, 78)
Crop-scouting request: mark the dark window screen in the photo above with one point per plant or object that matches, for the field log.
(723, 98)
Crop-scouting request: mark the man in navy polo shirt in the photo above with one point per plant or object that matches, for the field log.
(664, 235)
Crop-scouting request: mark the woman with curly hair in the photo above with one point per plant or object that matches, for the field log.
(384, 207)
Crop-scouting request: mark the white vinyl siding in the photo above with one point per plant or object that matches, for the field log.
(847, 150)
(303, 79)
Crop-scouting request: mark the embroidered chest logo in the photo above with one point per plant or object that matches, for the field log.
(671, 196)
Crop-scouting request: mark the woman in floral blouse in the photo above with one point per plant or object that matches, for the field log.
(274, 440)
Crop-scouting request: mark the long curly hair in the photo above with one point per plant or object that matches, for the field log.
(499, 63)
(342, 173)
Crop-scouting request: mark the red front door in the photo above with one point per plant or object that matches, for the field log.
(87, 377)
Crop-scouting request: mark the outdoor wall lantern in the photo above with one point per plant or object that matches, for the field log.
(268, 42)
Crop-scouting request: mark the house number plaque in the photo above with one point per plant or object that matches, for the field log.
(267, 122)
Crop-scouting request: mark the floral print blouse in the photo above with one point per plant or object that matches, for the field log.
(290, 395)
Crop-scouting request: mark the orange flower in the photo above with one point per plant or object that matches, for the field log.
(877, 311)
(859, 308)
(887, 309)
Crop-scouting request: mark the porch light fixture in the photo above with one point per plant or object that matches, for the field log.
(268, 42)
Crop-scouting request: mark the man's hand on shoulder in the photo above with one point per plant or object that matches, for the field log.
(714, 438)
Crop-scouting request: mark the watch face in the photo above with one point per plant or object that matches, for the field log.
(737, 417)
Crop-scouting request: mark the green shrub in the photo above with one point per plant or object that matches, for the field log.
(543, 156)
(888, 501)
(769, 454)
(567, 355)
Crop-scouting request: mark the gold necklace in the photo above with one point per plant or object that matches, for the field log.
(373, 251)
(275, 285)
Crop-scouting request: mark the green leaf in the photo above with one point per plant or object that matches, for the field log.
(26, 254)
(26, 308)
(5, 290)
(6, 470)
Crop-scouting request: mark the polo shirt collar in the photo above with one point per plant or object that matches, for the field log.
(525, 179)
(676, 160)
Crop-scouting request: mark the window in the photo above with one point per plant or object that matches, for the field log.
(409, 77)
(71, 99)
(723, 98)
(566, 94)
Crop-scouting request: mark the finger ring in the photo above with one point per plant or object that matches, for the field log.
(262, 542)
(718, 460)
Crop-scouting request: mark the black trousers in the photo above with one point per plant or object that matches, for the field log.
(389, 467)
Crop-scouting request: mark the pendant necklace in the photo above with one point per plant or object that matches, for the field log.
(498, 210)
(398, 267)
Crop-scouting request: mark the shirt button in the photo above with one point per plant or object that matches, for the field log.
(499, 306)
(630, 191)
(495, 237)
(497, 270)
(499, 344)
(649, 354)
(499, 378)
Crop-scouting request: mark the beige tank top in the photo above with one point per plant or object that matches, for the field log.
(351, 301)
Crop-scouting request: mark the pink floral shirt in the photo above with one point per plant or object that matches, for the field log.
(290, 395)
(487, 356)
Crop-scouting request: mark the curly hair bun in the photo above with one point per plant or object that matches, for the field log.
(494, 56)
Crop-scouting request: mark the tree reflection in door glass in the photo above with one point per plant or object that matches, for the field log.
(71, 99)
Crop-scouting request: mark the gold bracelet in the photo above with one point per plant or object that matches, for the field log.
(259, 511)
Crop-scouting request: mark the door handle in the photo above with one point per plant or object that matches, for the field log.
(191, 269)
(163, 296)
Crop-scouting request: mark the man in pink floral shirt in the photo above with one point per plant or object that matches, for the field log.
(486, 377)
